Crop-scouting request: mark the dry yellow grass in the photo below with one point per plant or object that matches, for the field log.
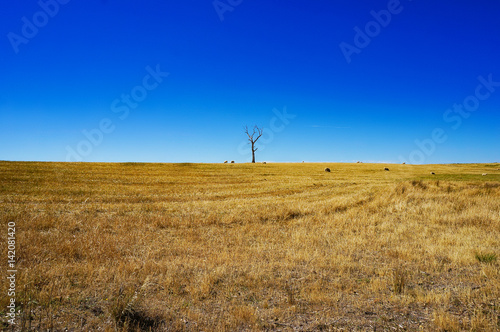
(203, 247)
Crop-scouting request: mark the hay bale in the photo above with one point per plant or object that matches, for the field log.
(386, 169)
(264, 162)
(327, 170)
(484, 174)
(225, 161)
(432, 173)
(404, 163)
(232, 161)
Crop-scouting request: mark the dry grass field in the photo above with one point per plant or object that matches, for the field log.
(242, 247)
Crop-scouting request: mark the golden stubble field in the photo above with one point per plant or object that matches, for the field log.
(276, 247)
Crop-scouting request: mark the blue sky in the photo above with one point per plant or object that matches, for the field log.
(176, 81)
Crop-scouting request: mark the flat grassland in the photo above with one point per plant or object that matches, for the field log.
(214, 247)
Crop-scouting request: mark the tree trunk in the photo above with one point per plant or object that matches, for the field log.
(253, 154)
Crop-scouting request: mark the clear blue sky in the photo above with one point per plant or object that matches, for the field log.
(74, 67)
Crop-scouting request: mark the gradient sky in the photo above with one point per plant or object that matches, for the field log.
(409, 79)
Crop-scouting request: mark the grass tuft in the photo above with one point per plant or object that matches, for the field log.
(486, 257)
(399, 279)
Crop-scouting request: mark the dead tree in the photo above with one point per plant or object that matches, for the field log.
(253, 138)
